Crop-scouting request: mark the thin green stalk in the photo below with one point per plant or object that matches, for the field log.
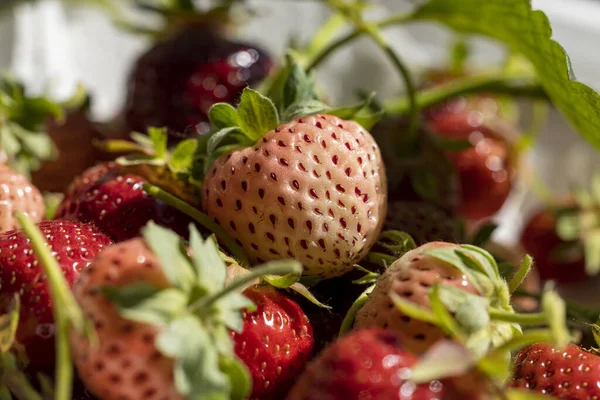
(319, 58)
(61, 296)
(527, 338)
(489, 82)
(521, 273)
(273, 268)
(199, 217)
(372, 30)
(522, 319)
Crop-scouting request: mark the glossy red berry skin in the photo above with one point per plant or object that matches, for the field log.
(540, 240)
(276, 343)
(485, 169)
(367, 364)
(116, 203)
(175, 82)
(571, 373)
(74, 245)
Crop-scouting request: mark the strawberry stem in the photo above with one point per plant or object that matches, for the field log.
(65, 308)
(271, 268)
(319, 58)
(527, 338)
(200, 218)
(521, 273)
(353, 14)
(488, 82)
(522, 319)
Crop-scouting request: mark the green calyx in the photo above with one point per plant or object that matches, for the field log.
(196, 311)
(579, 226)
(171, 169)
(256, 115)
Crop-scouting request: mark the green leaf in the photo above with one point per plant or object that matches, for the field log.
(413, 310)
(9, 322)
(483, 234)
(304, 292)
(168, 247)
(210, 268)
(444, 359)
(218, 137)
(223, 115)
(299, 87)
(281, 282)
(229, 309)
(350, 112)
(159, 138)
(144, 303)
(485, 261)
(257, 114)
(241, 382)
(306, 108)
(36, 144)
(197, 362)
(450, 256)
(442, 314)
(367, 118)
(527, 32)
(143, 140)
(470, 311)
(183, 156)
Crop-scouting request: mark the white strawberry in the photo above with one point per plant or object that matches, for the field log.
(18, 194)
(312, 189)
(469, 286)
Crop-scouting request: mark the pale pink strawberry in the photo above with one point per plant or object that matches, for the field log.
(125, 363)
(312, 189)
(18, 194)
(411, 277)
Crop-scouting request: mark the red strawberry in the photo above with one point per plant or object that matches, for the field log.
(114, 201)
(74, 245)
(276, 343)
(407, 173)
(486, 169)
(18, 194)
(367, 364)
(572, 373)
(175, 83)
(312, 189)
(555, 259)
